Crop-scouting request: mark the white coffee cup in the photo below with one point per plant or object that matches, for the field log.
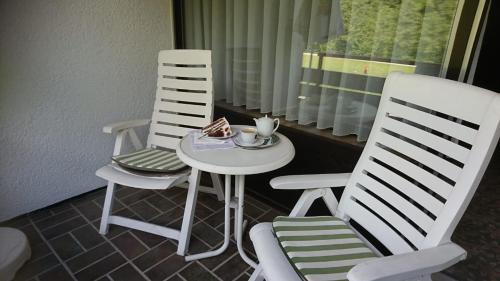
(248, 135)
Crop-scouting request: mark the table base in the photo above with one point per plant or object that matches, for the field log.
(237, 203)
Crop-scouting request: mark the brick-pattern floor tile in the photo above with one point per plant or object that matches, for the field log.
(32, 234)
(17, 222)
(33, 268)
(39, 250)
(126, 273)
(40, 214)
(58, 273)
(79, 262)
(270, 215)
(217, 218)
(88, 196)
(259, 204)
(179, 198)
(208, 234)
(136, 196)
(65, 246)
(161, 203)
(173, 192)
(213, 262)
(129, 245)
(124, 191)
(115, 230)
(64, 227)
(89, 209)
(151, 240)
(210, 201)
(232, 268)
(101, 267)
(144, 210)
(166, 268)
(55, 219)
(169, 217)
(61, 207)
(155, 255)
(87, 236)
(175, 278)
(195, 272)
(243, 277)
(116, 204)
(197, 246)
(202, 212)
(250, 222)
(253, 211)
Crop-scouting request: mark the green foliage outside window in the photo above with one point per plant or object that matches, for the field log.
(405, 30)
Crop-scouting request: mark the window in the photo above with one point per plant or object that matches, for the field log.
(323, 62)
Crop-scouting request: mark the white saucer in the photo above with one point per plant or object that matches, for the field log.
(237, 140)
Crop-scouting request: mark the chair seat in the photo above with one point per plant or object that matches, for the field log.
(116, 174)
(320, 248)
(151, 160)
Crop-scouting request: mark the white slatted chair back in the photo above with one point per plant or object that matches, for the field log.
(430, 144)
(184, 96)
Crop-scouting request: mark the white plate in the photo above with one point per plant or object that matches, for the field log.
(237, 140)
(233, 133)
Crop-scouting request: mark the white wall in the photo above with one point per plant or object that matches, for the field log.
(66, 69)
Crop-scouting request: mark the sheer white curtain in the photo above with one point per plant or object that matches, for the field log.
(317, 62)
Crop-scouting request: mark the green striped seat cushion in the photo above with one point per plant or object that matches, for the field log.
(151, 160)
(320, 248)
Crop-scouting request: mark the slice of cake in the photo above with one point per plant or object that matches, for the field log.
(218, 128)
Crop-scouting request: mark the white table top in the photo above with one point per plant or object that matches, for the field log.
(237, 161)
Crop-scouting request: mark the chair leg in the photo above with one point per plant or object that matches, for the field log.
(217, 184)
(257, 275)
(187, 221)
(107, 207)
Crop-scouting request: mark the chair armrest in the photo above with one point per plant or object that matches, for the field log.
(310, 181)
(119, 126)
(275, 264)
(409, 265)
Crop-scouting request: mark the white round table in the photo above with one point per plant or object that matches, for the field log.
(238, 162)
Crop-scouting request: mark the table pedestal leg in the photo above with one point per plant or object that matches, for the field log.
(239, 224)
(244, 226)
(240, 183)
(227, 209)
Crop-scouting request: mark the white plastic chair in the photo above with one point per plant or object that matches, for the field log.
(429, 147)
(184, 101)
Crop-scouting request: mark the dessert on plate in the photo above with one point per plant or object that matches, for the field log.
(217, 129)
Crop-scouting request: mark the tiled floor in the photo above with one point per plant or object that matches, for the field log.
(66, 245)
